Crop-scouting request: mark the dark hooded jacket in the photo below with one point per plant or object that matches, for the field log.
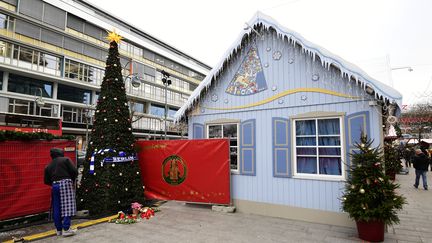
(59, 168)
(421, 162)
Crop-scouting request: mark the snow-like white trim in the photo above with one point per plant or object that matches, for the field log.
(327, 58)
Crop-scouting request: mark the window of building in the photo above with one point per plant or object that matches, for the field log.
(227, 131)
(54, 16)
(11, 2)
(171, 112)
(74, 115)
(29, 86)
(27, 107)
(83, 72)
(52, 38)
(192, 87)
(75, 23)
(318, 147)
(138, 106)
(74, 94)
(143, 71)
(31, 8)
(157, 110)
(27, 29)
(30, 59)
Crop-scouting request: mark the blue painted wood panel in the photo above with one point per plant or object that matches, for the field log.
(293, 71)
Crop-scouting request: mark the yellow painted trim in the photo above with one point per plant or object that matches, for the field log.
(8, 6)
(285, 93)
(77, 226)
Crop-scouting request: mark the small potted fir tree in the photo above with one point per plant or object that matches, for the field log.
(392, 163)
(370, 198)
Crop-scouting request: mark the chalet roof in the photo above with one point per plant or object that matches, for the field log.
(352, 72)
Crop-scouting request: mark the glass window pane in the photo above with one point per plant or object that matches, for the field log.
(233, 158)
(233, 142)
(306, 127)
(54, 16)
(230, 131)
(75, 23)
(329, 127)
(329, 151)
(330, 166)
(26, 55)
(328, 141)
(157, 110)
(306, 151)
(306, 165)
(306, 141)
(31, 8)
(73, 94)
(215, 131)
(29, 86)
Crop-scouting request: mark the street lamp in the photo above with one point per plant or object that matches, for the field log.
(390, 69)
(135, 80)
(166, 83)
(88, 116)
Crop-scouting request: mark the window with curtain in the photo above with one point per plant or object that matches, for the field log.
(227, 131)
(318, 147)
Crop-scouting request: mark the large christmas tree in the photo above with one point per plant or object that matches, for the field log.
(111, 178)
(369, 194)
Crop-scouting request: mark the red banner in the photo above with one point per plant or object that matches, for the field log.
(22, 165)
(186, 170)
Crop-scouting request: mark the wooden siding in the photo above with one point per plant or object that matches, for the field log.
(263, 186)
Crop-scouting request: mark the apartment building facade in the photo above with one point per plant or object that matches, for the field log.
(52, 61)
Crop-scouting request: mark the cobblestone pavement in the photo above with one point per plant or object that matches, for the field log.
(178, 222)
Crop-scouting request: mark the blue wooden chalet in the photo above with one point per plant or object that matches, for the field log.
(293, 112)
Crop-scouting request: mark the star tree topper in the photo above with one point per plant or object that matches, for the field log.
(113, 36)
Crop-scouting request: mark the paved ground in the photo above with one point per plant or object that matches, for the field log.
(178, 222)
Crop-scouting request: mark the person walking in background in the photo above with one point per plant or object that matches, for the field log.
(421, 164)
(60, 174)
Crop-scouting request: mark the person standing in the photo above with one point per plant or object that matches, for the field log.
(60, 174)
(421, 163)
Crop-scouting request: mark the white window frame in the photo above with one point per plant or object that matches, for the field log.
(238, 142)
(341, 146)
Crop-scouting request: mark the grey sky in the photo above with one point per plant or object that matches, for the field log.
(362, 32)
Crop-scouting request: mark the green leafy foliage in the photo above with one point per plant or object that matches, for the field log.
(111, 188)
(392, 161)
(369, 194)
(27, 136)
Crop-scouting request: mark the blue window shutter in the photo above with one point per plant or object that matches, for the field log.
(281, 147)
(355, 125)
(248, 147)
(198, 131)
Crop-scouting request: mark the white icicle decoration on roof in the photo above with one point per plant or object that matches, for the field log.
(327, 59)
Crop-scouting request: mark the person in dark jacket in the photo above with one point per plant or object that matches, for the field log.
(60, 174)
(421, 163)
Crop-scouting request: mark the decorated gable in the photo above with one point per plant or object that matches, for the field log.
(249, 78)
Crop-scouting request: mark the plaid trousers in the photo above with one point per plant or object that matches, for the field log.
(67, 198)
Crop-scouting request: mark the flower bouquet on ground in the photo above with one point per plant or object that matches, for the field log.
(123, 218)
(138, 212)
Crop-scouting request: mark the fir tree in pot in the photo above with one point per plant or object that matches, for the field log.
(370, 197)
(392, 161)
